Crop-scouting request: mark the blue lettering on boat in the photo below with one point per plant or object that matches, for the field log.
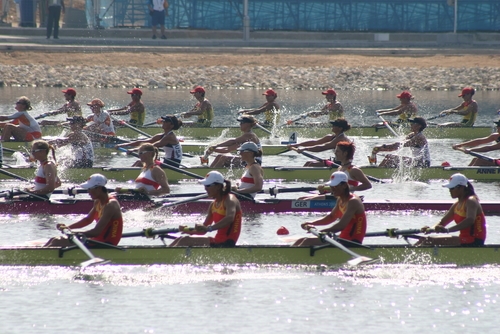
(488, 171)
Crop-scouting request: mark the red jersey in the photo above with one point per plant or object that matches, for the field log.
(113, 231)
(475, 231)
(356, 228)
(231, 232)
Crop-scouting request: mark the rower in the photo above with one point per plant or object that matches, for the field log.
(106, 212)
(333, 108)
(102, 120)
(416, 141)
(152, 180)
(328, 142)
(203, 109)
(349, 210)
(357, 180)
(82, 152)
(468, 109)
(252, 179)
(135, 108)
(71, 107)
(20, 125)
(46, 179)
(494, 137)
(405, 110)
(224, 216)
(166, 140)
(247, 123)
(270, 109)
(467, 214)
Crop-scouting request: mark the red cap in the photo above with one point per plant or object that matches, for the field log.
(198, 89)
(405, 95)
(330, 91)
(445, 164)
(135, 91)
(270, 92)
(467, 90)
(282, 231)
(69, 91)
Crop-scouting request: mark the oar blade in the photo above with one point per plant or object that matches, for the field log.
(93, 262)
(360, 260)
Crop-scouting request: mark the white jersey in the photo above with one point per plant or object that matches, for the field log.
(25, 121)
(247, 181)
(40, 179)
(145, 180)
(103, 122)
(173, 152)
(422, 155)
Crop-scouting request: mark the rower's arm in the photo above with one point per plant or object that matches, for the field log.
(448, 217)
(358, 175)
(159, 176)
(479, 141)
(488, 148)
(325, 139)
(86, 220)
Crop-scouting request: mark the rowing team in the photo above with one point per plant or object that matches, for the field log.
(225, 217)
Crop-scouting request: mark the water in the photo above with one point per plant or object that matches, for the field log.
(408, 298)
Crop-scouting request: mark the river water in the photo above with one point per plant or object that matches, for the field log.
(407, 298)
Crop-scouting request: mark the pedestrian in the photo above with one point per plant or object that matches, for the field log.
(158, 11)
(54, 8)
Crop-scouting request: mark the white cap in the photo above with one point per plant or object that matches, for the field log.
(249, 146)
(337, 178)
(212, 177)
(456, 180)
(95, 180)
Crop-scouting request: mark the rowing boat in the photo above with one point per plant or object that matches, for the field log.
(267, 205)
(307, 130)
(314, 174)
(251, 254)
(187, 147)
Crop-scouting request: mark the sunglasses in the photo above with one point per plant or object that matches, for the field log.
(37, 150)
(19, 102)
(144, 152)
(209, 185)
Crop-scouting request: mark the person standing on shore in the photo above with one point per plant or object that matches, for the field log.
(158, 9)
(72, 107)
(405, 110)
(270, 109)
(203, 109)
(135, 108)
(468, 109)
(54, 8)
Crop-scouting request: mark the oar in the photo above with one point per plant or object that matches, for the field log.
(275, 191)
(106, 138)
(93, 260)
(48, 113)
(263, 128)
(393, 233)
(14, 176)
(150, 232)
(437, 116)
(182, 201)
(481, 156)
(388, 126)
(357, 259)
(150, 123)
(330, 163)
(301, 117)
(137, 156)
(122, 122)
